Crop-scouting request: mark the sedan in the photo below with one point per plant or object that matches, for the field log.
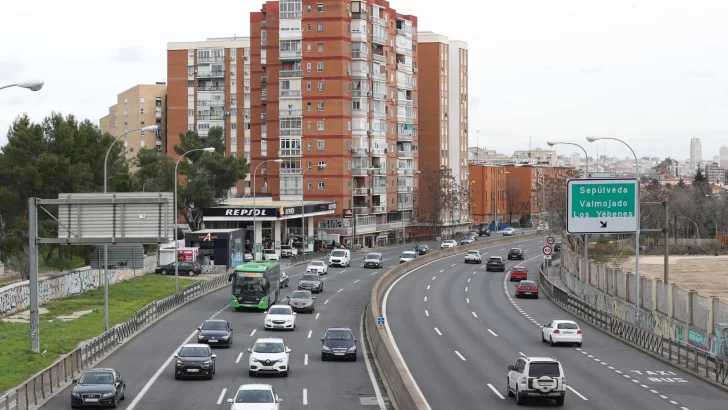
(215, 332)
(194, 360)
(302, 300)
(312, 282)
(527, 288)
(280, 317)
(467, 241)
(255, 397)
(518, 273)
(509, 232)
(317, 267)
(338, 343)
(450, 243)
(184, 268)
(98, 387)
(561, 331)
(516, 253)
(422, 249)
(407, 256)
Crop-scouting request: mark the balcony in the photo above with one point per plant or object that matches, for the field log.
(407, 118)
(379, 76)
(263, 96)
(359, 152)
(360, 15)
(158, 112)
(290, 14)
(379, 209)
(405, 153)
(361, 191)
(207, 117)
(379, 39)
(401, 66)
(287, 132)
(290, 54)
(359, 74)
(207, 60)
(380, 96)
(380, 58)
(377, 114)
(379, 190)
(210, 103)
(359, 112)
(263, 79)
(379, 151)
(405, 205)
(361, 210)
(360, 54)
(290, 113)
(405, 189)
(405, 171)
(289, 171)
(361, 93)
(404, 33)
(407, 51)
(379, 21)
(291, 191)
(290, 152)
(290, 73)
(402, 101)
(212, 88)
(379, 171)
(290, 93)
(211, 74)
(359, 171)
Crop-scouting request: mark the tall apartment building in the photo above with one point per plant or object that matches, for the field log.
(696, 153)
(714, 173)
(335, 83)
(138, 107)
(206, 81)
(723, 157)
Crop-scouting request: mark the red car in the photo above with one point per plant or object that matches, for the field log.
(527, 288)
(519, 273)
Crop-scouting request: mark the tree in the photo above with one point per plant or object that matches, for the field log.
(516, 198)
(555, 206)
(440, 197)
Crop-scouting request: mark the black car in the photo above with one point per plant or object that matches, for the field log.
(516, 253)
(557, 247)
(495, 263)
(422, 249)
(194, 360)
(338, 343)
(215, 332)
(483, 229)
(98, 387)
(185, 268)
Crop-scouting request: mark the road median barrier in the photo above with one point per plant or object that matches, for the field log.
(403, 391)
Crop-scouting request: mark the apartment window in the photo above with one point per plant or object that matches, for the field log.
(320, 7)
(308, 126)
(232, 83)
(321, 184)
(233, 126)
(233, 141)
(309, 164)
(309, 145)
(190, 113)
(308, 67)
(320, 144)
(190, 127)
(320, 164)
(308, 26)
(142, 141)
(320, 27)
(246, 141)
(320, 105)
(348, 48)
(308, 106)
(309, 8)
(349, 164)
(233, 53)
(308, 86)
(319, 47)
(348, 106)
(308, 47)
(309, 186)
(141, 111)
(233, 68)
(320, 127)
(141, 100)
(191, 53)
(126, 100)
(320, 66)
(349, 125)
(320, 86)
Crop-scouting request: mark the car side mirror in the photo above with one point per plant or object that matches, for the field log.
(278, 400)
(175, 355)
(229, 400)
(511, 367)
(294, 313)
(322, 339)
(199, 328)
(214, 356)
(288, 350)
(74, 381)
(314, 297)
(250, 350)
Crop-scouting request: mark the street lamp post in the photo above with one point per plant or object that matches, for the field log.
(637, 212)
(30, 85)
(106, 247)
(176, 241)
(255, 245)
(586, 236)
(303, 209)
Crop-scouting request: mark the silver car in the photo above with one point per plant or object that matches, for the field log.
(302, 300)
(312, 282)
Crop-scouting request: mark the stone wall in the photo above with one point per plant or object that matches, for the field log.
(16, 297)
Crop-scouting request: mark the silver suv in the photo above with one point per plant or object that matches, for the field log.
(536, 377)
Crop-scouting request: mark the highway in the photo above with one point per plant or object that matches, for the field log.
(147, 366)
(458, 328)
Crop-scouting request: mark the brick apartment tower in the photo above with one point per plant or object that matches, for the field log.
(335, 83)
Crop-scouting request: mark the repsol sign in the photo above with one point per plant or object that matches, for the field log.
(249, 212)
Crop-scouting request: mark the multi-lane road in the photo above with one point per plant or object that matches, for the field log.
(458, 328)
(147, 366)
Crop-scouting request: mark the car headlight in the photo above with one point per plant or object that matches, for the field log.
(268, 320)
(225, 337)
(200, 336)
(105, 395)
(326, 348)
(352, 349)
(75, 395)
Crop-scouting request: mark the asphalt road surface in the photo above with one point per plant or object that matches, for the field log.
(147, 366)
(458, 328)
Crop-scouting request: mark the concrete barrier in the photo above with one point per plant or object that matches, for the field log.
(403, 390)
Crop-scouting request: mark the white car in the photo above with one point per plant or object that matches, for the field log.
(288, 251)
(561, 331)
(247, 256)
(340, 257)
(280, 317)
(407, 256)
(473, 257)
(317, 267)
(270, 255)
(255, 397)
(509, 232)
(536, 377)
(268, 356)
(450, 243)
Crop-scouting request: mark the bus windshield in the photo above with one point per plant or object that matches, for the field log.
(246, 285)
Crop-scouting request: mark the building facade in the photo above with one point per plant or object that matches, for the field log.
(696, 153)
(138, 107)
(536, 156)
(715, 174)
(488, 193)
(525, 191)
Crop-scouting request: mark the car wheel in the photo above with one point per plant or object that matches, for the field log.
(251, 373)
(214, 369)
(560, 401)
(578, 345)
(176, 376)
(191, 273)
(551, 341)
(543, 339)
(115, 403)
(519, 398)
(354, 359)
(508, 389)
(164, 271)
(323, 358)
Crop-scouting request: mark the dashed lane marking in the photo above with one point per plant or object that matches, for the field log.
(492, 333)
(240, 356)
(327, 301)
(497, 393)
(222, 396)
(467, 300)
(305, 397)
(425, 298)
(460, 356)
(438, 331)
(309, 333)
(305, 359)
(474, 314)
(253, 332)
(356, 280)
(317, 315)
(428, 287)
(577, 393)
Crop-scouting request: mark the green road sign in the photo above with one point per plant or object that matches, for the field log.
(602, 205)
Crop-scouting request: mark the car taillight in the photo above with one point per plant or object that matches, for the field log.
(578, 332)
(556, 331)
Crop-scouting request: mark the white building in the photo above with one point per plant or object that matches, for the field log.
(723, 157)
(537, 156)
(696, 153)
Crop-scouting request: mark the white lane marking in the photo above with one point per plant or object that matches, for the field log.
(374, 273)
(343, 270)
(467, 300)
(644, 386)
(453, 264)
(474, 272)
(240, 356)
(309, 333)
(673, 402)
(253, 332)
(438, 331)
(610, 367)
(305, 397)
(636, 381)
(433, 278)
(459, 355)
(317, 315)
(372, 379)
(222, 396)
(654, 391)
(492, 333)
(663, 396)
(576, 392)
(428, 287)
(305, 359)
(617, 371)
(356, 280)
(427, 313)
(590, 356)
(327, 301)
(497, 393)
(466, 288)
(340, 290)
(627, 376)
(469, 280)
(474, 314)
(501, 250)
(442, 271)
(425, 298)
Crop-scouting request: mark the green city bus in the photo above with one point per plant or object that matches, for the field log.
(255, 284)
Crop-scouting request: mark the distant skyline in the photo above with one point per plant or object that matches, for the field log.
(651, 72)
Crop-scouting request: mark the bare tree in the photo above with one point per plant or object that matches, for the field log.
(555, 206)
(438, 197)
(516, 198)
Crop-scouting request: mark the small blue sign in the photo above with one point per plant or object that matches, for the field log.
(380, 321)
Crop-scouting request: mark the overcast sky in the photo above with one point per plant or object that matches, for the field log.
(652, 72)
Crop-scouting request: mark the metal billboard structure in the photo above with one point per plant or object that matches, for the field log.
(118, 257)
(97, 219)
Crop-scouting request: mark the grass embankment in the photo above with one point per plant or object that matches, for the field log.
(57, 338)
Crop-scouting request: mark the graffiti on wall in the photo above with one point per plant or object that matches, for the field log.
(698, 339)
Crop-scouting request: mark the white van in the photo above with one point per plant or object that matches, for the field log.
(340, 257)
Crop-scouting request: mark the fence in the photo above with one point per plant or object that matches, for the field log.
(312, 256)
(53, 379)
(693, 359)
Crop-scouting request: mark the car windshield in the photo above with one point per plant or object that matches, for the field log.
(96, 378)
(495, 259)
(269, 347)
(372, 256)
(550, 369)
(515, 250)
(254, 396)
(567, 325)
(317, 263)
(248, 285)
(421, 247)
(339, 335)
(408, 254)
(527, 283)
(473, 252)
(285, 247)
(279, 311)
(194, 351)
(214, 325)
(268, 251)
(312, 278)
(338, 253)
(301, 295)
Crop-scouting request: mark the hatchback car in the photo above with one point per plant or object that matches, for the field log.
(374, 260)
(407, 256)
(268, 356)
(215, 332)
(516, 253)
(518, 273)
(495, 263)
(281, 317)
(450, 243)
(422, 249)
(194, 360)
(312, 282)
(338, 343)
(536, 377)
(527, 288)
(98, 387)
(255, 397)
(302, 300)
(561, 331)
(185, 268)
(473, 257)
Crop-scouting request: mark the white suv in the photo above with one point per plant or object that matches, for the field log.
(450, 243)
(268, 356)
(536, 377)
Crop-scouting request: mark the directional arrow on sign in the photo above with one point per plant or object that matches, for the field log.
(604, 224)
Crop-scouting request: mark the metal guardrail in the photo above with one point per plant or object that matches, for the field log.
(693, 359)
(56, 377)
(311, 256)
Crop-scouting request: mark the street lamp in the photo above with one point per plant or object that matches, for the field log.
(176, 242)
(255, 245)
(637, 212)
(31, 85)
(35, 86)
(303, 209)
